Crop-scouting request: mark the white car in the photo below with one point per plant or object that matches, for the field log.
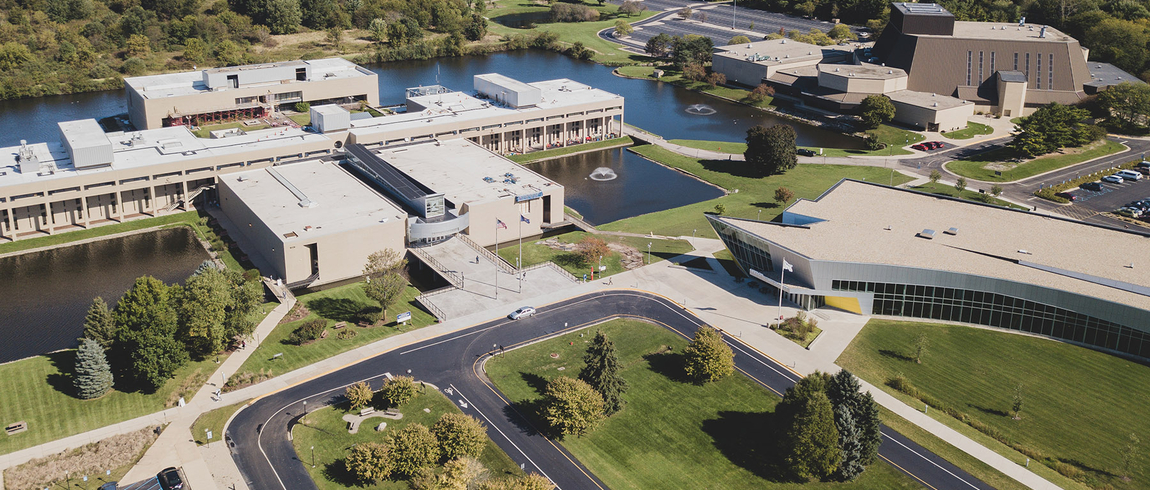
(1113, 179)
(522, 312)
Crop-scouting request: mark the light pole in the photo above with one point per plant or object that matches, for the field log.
(648, 253)
(313, 456)
(759, 217)
(305, 407)
(733, 10)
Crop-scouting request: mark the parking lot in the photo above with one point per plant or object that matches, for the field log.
(1109, 199)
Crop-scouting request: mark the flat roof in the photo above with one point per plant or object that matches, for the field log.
(871, 223)
(504, 81)
(329, 109)
(457, 169)
(151, 147)
(865, 71)
(926, 99)
(342, 202)
(455, 107)
(1105, 74)
(933, 9)
(1005, 31)
(772, 52)
(83, 133)
(1012, 76)
(192, 82)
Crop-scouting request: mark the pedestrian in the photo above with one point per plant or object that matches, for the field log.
(476, 259)
(610, 281)
(243, 344)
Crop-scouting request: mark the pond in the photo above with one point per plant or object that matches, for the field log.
(610, 185)
(46, 294)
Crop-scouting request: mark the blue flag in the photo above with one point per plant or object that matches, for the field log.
(524, 219)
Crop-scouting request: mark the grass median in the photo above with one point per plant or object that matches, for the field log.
(971, 130)
(1079, 405)
(966, 194)
(536, 252)
(984, 165)
(675, 77)
(893, 137)
(605, 52)
(213, 421)
(755, 196)
(671, 433)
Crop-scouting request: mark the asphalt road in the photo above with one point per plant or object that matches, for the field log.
(717, 22)
(259, 435)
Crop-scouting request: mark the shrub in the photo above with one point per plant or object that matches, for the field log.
(134, 67)
(302, 107)
(566, 12)
(694, 72)
(716, 79)
(1048, 193)
(346, 335)
(308, 332)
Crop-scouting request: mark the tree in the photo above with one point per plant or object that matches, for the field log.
(1016, 405)
(476, 27)
(139, 46)
(458, 474)
(850, 445)
(368, 462)
(685, 13)
(1126, 106)
(533, 481)
(771, 150)
(146, 308)
(740, 39)
(1118, 41)
(996, 190)
(152, 359)
(810, 440)
(701, 16)
(658, 46)
(201, 308)
(841, 32)
(134, 67)
(412, 448)
(921, 342)
(623, 28)
(960, 184)
(92, 376)
(571, 406)
(13, 54)
(694, 72)
(843, 390)
(761, 93)
(876, 110)
(378, 28)
(720, 209)
(632, 7)
(783, 195)
(230, 53)
(935, 175)
(284, 16)
(707, 357)
(195, 50)
(335, 36)
(1052, 127)
(359, 395)
(591, 249)
(397, 391)
(715, 79)
(459, 436)
(601, 370)
(383, 280)
(691, 48)
(98, 324)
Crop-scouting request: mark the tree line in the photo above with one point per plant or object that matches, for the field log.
(155, 329)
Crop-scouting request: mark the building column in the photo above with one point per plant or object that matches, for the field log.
(87, 213)
(151, 198)
(51, 218)
(184, 194)
(119, 205)
(11, 223)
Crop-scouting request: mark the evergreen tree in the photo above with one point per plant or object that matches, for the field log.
(98, 324)
(810, 441)
(843, 389)
(92, 376)
(602, 373)
(850, 444)
(708, 358)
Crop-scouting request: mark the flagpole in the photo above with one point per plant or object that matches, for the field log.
(781, 276)
(497, 258)
(520, 264)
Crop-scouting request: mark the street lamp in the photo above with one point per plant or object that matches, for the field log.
(648, 253)
(313, 456)
(733, 10)
(305, 407)
(759, 217)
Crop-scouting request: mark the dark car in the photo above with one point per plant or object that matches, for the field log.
(1092, 186)
(805, 152)
(1068, 196)
(170, 479)
(1143, 164)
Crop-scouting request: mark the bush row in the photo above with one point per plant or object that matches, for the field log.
(1048, 193)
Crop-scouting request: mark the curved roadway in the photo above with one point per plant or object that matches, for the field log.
(260, 433)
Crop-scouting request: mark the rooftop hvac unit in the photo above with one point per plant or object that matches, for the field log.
(927, 234)
(951, 231)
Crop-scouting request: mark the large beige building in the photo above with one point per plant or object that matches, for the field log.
(504, 115)
(237, 92)
(312, 221)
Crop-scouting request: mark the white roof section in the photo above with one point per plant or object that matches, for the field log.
(329, 109)
(192, 82)
(862, 71)
(926, 100)
(1009, 32)
(83, 133)
(505, 82)
(874, 224)
(456, 107)
(150, 147)
(340, 201)
(457, 167)
(773, 52)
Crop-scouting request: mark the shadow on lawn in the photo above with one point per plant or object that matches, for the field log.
(747, 439)
(895, 355)
(989, 411)
(668, 364)
(732, 167)
(65, 362)
(338, 309)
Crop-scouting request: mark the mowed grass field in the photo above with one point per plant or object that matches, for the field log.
(338, 304)
(671, 434)
(1079, 405)
(755, 192)
(326, 431)
(895, 138)
(536, 253)
(975, 167)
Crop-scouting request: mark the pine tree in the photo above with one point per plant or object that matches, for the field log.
(92, 377)
(602, 373)
(98, 324)
(850, 444)
(843, 389)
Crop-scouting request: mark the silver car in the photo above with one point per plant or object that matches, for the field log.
(522, 312)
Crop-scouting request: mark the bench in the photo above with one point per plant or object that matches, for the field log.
(366, 411)
(16, 428)
(339, 325)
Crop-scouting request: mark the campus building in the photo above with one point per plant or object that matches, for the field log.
(878, 250)
(244, 92)
(503, 115)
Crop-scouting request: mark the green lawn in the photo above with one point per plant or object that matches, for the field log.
(205, 131)
(606, 52)
(755, 193)
(975, 167)
(967, 194)
(38, 390)
(326, 431)
(534, 253)
(338, 304)
(673, 76)
(213, 421)
(558, 152)
(803, 342)
(738, 149)
(1079, 405)
(972, 129)
(895, 138)
(671, 434)
(303, 119)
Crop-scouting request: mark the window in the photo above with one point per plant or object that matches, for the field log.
(1038, 71)
(1050, 72)
(969, 59)
(245, 100)
(1028, 67)
(992, 62)
(980, 77)
(1015, 61)
(289, 96)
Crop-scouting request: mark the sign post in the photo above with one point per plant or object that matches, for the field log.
(403, 317)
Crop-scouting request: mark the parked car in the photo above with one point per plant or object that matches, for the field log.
(919, 147)
(170, 479)
(522, 312)
(1130, 213)
(1115, 179)
(805, 152)
(939, 145)
(110, 486)
(1143, 164)
(1143, 170)
(1129, 175)
(1068, 196)
(1092, 186)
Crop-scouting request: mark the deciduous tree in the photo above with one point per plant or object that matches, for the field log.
(694, 72)
(146, 308)
(459, 436)
(571, 406)
(591, 249)
(632, 7)
(623, 28)
(921, 341)
(92, 376)
(359, 395)
(960, 184)
(715, 79)
(740, 39)
(476, 27)
(707, 358)
(810, 440)
(98, 324)
(284, 16)
(783, 195)
(685, 13)
(876, 110)
(397, 391)
(771, 150)
(195, 50)
(1017, 402)
(151, 359)
(412, 448)
(368, 462)
(601, 370)
(383, 280)
(935, 175)
(202, 304)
